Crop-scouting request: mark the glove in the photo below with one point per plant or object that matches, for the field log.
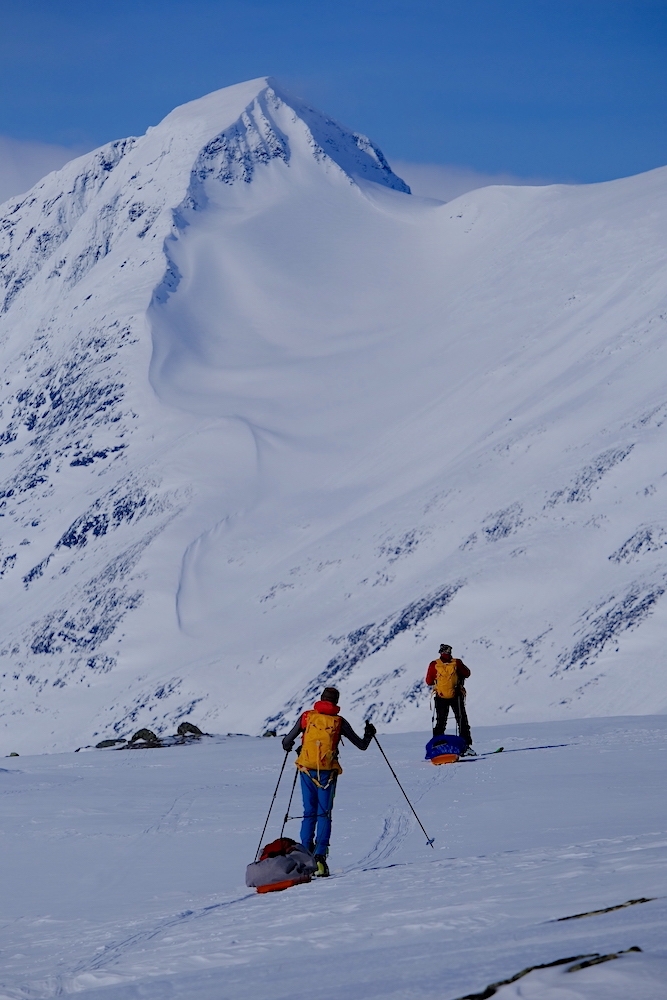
(287, 745)
(370, 730)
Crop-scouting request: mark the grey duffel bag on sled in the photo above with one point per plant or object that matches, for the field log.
(281, 864)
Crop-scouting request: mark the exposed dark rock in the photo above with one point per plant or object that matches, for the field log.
(188, 729)
(146, 736)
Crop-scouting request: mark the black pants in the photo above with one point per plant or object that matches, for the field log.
(442, 706)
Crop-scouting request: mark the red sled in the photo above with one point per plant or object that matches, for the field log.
(286, 884)
(282, 864)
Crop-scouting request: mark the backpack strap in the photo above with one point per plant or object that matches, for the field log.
(316, 780)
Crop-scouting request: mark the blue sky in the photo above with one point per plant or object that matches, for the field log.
(568, 89)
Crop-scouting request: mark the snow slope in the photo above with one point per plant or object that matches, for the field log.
(271, 421)
(123, 872)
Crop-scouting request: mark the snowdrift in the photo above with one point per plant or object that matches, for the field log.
(269, 422)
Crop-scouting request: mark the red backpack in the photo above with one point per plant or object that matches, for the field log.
(277, 848)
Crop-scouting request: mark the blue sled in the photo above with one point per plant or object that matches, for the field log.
(447, 743)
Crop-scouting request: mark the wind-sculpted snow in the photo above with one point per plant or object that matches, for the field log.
(258, 137)
(255, 395)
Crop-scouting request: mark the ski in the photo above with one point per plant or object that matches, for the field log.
(548, 746)
(478, 756)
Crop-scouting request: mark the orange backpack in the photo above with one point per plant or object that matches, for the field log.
(319, 749)
(446, 679)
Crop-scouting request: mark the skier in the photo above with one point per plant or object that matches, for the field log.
(446, 676)
(321, 729)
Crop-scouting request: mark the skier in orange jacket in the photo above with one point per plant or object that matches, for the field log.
(321, 729)
(446, 676)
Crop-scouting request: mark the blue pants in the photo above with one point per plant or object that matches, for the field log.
(317, 806)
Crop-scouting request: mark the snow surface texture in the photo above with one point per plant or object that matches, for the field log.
(123, 872)
(269, 421)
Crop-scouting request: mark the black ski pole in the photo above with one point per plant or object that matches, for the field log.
(259, 846)
(429, 840)
(291, 796)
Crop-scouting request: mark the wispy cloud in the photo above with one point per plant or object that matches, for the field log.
(444, 181)
(22, 164)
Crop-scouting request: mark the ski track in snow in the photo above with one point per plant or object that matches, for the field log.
(112, 953)
(396, 827)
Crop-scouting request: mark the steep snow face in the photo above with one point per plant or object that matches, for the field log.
(268, 421)
(457, 414)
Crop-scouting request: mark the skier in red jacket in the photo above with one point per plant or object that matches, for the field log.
(321, 729)
(446, 676)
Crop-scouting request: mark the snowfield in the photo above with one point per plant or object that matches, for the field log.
(123, 872)
(268, 421)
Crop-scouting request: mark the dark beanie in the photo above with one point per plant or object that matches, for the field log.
(331, 694)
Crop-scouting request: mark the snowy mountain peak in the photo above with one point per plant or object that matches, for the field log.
(263, 115)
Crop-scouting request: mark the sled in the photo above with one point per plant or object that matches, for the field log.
(445, 758)
(445, 749)
(282, 864)
(286, 884)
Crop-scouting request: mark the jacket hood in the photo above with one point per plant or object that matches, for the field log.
(326, 708)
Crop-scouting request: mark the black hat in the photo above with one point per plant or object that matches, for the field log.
(444, 647)
(331, 694)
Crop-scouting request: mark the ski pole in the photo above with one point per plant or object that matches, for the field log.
(259, 846)
(429, 840)
(291, 796)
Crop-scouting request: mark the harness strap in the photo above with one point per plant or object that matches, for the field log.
(316, 781)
